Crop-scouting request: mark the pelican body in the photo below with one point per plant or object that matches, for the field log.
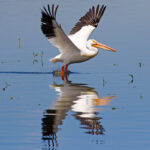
(75, 47)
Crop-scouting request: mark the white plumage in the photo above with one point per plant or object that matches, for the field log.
(75, 47)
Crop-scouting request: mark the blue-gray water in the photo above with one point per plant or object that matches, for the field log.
(39, 111)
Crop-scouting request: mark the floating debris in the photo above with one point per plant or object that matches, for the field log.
(115, 64)
(3, 62)
(35, 60)
(6, 85)
(114, 108)
(141, 97)
(3, 89)
(104, 82)
(11, 98)
(42, 54)
(35, 54)
(132, 78)
(140, 64)
(19, 42)
(56, 73)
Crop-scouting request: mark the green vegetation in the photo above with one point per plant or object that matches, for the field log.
(11, 98)
(36, 59)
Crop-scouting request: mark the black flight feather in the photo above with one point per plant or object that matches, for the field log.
(92, 17)
(48, 15)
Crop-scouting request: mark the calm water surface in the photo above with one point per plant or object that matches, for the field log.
(105, 105)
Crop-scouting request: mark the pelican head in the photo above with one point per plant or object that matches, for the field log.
(94, 44)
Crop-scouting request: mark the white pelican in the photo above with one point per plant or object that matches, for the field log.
(75, 47)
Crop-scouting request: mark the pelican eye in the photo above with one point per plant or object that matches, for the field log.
(94, 42)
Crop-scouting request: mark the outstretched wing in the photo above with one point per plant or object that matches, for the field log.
(84, 27)
(54, 32)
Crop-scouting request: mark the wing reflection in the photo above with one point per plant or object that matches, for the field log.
(49, 129)
(85, 108)
(80, 99)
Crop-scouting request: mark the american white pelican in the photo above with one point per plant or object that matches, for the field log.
(75, 47)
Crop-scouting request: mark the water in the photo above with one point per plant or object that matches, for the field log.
(106, 104)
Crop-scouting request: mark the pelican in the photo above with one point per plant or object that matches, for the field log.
(75, 47)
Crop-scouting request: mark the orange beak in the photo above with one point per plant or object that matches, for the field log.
(102, 46)
(103, 101)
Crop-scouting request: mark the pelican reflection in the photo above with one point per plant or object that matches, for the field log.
(82, 100)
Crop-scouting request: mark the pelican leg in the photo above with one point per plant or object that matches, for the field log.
(66, 77)
(62, 72)
(66, 68)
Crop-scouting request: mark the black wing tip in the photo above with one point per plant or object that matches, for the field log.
(48, 15)
(92, 17)
(50, 11)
